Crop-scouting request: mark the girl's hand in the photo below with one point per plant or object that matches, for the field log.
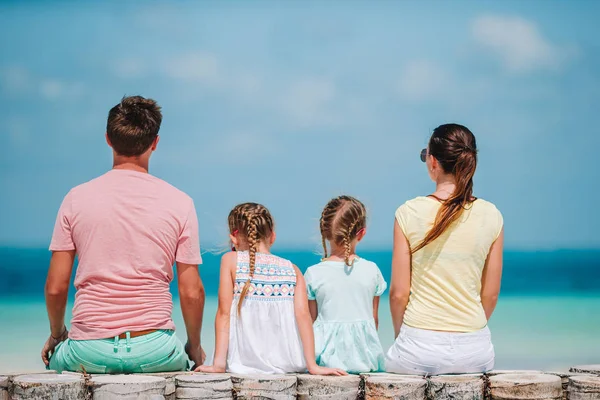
(316, 370)
(210, 369)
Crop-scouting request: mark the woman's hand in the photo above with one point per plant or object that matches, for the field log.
(317, 370)
(210, 369)
(51, 344)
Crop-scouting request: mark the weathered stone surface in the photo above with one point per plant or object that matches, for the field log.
(72, 373)
(584, 387)
(127, 387)
(397, 387)
(511, 371)
(449, 387)
(587, 369)
(170, 380)
(267, 387)
(3, 387)
(204, 386)
(388, 375)
(48, 387)
(525, 387)
(12, 374)
(564, 377)
(328, 387)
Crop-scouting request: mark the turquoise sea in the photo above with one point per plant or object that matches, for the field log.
(548, 315)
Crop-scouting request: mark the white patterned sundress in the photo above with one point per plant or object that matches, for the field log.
(264, 338)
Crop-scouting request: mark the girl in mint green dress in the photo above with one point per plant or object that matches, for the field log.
(343, 292)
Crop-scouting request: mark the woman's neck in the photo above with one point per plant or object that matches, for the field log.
(444, 187)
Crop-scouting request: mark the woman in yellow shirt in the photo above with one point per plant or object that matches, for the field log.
(446, 267)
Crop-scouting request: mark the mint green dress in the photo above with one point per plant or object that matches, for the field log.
(345, 333)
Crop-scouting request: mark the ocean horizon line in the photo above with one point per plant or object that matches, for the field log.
(216, 250)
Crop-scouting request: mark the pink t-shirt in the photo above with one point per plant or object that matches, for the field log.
(128, 228)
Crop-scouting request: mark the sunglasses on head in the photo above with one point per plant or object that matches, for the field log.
(424, 155)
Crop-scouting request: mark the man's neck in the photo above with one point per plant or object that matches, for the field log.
(130, 163)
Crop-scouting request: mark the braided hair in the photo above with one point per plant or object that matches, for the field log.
(254, 222)
(341, 220)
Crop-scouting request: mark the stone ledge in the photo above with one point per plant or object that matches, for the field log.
(500, 385)
(587, 369)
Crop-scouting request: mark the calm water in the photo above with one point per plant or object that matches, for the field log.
(548, 315)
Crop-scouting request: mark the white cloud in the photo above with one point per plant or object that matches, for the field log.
(53, 89)
(15, 79)
(301, 102)
(517, 43)
(238, 147)
(129, 68)
(18, 132)
(307, 101)
(19, 81)
(193, 67)
(421, 81)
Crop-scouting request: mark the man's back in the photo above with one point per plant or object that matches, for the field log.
(128, 228)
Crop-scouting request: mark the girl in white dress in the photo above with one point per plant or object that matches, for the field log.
(263, 324)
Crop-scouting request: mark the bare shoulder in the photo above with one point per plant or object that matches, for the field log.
(229, 259)
(297, 271)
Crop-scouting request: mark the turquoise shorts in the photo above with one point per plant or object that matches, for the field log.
(160, 351)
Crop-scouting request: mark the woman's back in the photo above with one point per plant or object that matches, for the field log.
(263, 337)
(446, 274)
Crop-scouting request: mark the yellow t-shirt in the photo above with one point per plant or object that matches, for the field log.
(446, 274)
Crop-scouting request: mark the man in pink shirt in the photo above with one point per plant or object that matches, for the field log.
(127, 228)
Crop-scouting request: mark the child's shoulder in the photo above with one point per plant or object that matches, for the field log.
(229, 259)
(318, 266)
(364, 263)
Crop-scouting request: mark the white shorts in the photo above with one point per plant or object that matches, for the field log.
(425, 352)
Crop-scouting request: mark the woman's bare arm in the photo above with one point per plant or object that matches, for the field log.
(400, 282)
(491, 277)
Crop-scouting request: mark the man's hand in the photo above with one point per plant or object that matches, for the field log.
(57, 291)
(195, 354)
(51, 344)
(191, 297)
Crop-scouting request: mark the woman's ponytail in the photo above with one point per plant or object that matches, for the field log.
(455, 149)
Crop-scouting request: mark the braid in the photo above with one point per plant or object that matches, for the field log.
(325, 223)
(340, 221)
(255, 224)
(347, 249)
(348, 240)
(249, 216)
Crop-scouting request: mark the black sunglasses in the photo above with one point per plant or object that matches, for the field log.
(424, 155)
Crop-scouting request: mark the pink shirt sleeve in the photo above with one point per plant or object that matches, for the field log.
(188, 245)
(62, 239)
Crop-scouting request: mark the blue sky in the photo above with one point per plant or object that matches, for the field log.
(291, 103)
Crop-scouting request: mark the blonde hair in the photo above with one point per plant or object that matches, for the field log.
(341, 220)
(254, 222)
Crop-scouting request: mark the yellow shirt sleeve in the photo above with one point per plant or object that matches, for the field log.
(500, 222)
(402, 218)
